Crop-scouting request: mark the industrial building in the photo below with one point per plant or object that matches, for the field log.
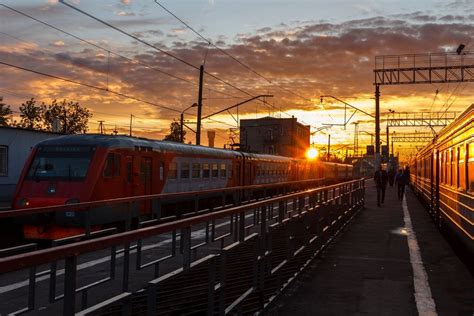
(15, 146)
(275, 136)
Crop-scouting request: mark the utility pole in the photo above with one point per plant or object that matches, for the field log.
(329, 147)
(199, 114)
(181, 128)
(101, 127)
(388, 143)
(377, 125)
(356, 138)
(131, 118)
(393, 153)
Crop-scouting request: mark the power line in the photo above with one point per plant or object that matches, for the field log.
(89, 86)
(102, 48)
(230, 55)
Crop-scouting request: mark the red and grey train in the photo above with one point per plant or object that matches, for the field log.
(80, 168)
(443, 176)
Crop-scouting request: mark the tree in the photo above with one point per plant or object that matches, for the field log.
(70, 115)
(31, 115)
(175, 133)
(5, 113)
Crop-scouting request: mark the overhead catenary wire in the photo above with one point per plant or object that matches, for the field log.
(88, 86)
(159, 49)
(109, 51)
(235, 58)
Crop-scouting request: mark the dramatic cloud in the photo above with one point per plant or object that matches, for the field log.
(301, 62)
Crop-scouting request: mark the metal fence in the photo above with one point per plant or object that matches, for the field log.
(235, 260)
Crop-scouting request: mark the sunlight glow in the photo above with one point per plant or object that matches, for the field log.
(312, 153)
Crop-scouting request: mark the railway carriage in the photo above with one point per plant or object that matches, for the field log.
(443, 176)
(80, 168)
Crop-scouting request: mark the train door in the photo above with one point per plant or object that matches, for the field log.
(129, 181)
(432, 189)
(145, 174)
(146, 182)
(247, 173)
(436, 184)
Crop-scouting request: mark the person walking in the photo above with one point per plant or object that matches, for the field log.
(400, 181)
(380, 178)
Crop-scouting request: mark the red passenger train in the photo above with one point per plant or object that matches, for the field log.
(81, 168)
(443, 176)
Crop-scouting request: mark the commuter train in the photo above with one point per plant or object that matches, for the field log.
(443, 176)
(79, 168)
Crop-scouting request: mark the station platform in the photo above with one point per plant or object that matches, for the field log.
(381, 266)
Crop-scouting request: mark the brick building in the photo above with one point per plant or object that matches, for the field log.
(275, 136)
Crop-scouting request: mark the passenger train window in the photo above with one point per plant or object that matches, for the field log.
(173, 171)
(462, 168)
(112, 165)
(184, 170)
(162, 170)
(215, 170)
(205, 171)
(223, 171)
(196, 171)
(470, 167)
(129, 168)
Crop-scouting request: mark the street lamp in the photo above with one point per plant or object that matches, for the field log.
(182, 121)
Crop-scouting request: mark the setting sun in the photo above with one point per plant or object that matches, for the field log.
(312, 153)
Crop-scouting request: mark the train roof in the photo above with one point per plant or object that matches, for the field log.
(119, 141)
(112, 141)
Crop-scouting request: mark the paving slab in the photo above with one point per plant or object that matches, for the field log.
(367, 270)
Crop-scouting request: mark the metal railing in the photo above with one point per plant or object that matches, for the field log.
(235, 260)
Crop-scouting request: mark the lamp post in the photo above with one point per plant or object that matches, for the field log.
(181, 132)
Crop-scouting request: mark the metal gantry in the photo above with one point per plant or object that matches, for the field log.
(424, 68)
(414, 119)
(412, 137)
(419, 69)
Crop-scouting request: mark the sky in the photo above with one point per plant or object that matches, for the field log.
(294, 50)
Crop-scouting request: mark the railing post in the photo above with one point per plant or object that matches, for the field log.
(69, 306)
(186, 238)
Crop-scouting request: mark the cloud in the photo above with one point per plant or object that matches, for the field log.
(57, 44)
(306, 59)
(123, 13)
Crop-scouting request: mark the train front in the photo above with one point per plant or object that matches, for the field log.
(57, 173)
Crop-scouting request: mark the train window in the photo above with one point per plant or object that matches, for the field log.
(3, 161)
(223, 171)
(205, 170)
(173, 171)
(196, 171)
(129, 168)
(455, 167)
(215, 170)
(184, 170)
(162, 170)
(449, 157)
(462, 168)
(470, 167)
(112, 165)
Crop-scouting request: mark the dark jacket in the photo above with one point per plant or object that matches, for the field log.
(400, 179)
(381, 178)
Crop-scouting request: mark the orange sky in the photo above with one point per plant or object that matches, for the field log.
(302, 59)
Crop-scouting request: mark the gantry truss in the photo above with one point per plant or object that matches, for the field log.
(413, 119)
(424, 68)
(412, 137)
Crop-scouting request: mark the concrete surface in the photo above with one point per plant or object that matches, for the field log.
(367, 270)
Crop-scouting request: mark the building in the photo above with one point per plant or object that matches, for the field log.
(275, 136)
(15, 146)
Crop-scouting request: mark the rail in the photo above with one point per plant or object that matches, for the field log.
(236, 260)
(83, 206)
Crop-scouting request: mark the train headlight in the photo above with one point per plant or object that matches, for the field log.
(71, 213)
(23, 202)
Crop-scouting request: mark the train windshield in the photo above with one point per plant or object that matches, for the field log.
(69, 163)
